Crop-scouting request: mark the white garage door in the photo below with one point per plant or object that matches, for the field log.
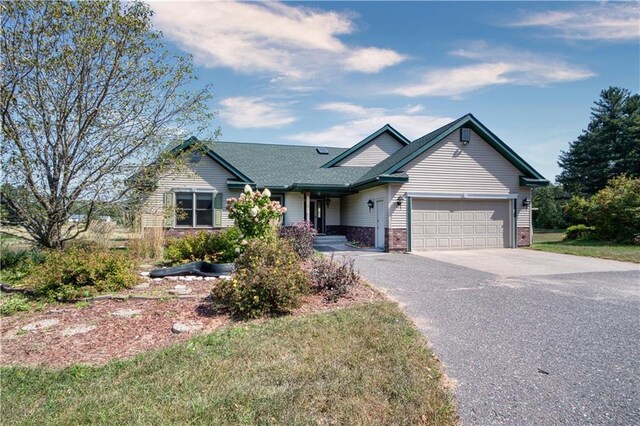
(457, 224)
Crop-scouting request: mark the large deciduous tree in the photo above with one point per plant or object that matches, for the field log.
(609, 147)
(89, 94)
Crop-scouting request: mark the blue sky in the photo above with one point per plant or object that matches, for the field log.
(331, 73)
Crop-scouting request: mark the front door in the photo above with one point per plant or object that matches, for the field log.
(380, 223)
(316, 215)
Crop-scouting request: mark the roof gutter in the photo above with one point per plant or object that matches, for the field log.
(533, 182)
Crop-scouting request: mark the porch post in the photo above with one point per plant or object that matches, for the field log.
(307, 201)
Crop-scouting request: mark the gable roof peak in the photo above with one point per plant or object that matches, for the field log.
(387, 128)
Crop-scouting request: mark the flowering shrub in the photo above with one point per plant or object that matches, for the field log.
(301, 236)
(220, 247)
(333, 278)
(268, 280)
(254, 213)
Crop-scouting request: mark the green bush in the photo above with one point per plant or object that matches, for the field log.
(16, 264)
(268, 280)
(614, 211)
(10, 304)
(301, 236)
(220, 247)
(333, 278)
(579, 232)
(79, 272)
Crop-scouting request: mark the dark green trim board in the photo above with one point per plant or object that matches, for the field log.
(385, 129)
(533, 183)
(409, 208)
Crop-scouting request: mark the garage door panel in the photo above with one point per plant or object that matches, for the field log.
(448, 224)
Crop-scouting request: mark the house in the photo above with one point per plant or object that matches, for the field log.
(459, 186)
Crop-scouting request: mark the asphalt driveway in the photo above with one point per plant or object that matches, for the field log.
(527, 337)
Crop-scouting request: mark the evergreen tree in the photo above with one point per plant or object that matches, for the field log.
(608, 148)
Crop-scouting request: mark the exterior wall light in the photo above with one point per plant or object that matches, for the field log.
(370, 204)
(328, 202)
(525, 203)
(400, 200)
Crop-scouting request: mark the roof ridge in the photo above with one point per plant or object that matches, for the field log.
(275, 144)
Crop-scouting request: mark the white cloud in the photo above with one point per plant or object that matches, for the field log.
(372, 59)
(289, 41)
(254, 112)
(364, 121)
(349, 108)
(606, 21)
(495, 66)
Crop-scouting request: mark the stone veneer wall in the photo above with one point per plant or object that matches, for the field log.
(395, 239)
(364, 234)
(524, 236)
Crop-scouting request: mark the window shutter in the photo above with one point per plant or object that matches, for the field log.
(169, 210)
(217, 210)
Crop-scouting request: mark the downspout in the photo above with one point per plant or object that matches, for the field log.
(514, 240)
(409, 208)
(307, 202)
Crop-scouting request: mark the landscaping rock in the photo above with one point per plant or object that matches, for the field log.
(180, 290)
(78, 329)
(157, 279)
(225, 277)
(141, 286)
(186, 327)
(173, 278)
(144, 274)
(209, 278)
(40, 325)
(126, 312)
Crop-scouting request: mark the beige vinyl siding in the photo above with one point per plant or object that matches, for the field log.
(524, 214)
(294, 202)
(374, 152)
(332, 214)
(451, 167)
(354, 210)
(206, 174)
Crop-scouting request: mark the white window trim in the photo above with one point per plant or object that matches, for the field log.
(193, 192)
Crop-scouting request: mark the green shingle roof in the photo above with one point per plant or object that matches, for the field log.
(270, 165)
(301, 167)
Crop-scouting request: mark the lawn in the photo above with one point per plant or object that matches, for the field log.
(360, 365)
(552, 242)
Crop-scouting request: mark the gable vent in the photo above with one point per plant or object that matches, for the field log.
(323, 151)
(465, 135)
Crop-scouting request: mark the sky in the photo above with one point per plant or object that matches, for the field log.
(332, 73)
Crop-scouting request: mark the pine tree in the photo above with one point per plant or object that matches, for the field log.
(608, 148)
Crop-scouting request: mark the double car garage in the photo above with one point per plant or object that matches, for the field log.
(461, 223)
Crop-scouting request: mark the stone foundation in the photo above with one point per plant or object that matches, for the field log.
(524, 237)
(364, 234)
(395, 239)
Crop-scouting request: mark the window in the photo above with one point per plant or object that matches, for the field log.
(198, 209)
(184, 209)
(204, 209)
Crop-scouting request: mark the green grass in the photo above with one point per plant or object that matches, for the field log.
(360, 365)
(553, 242)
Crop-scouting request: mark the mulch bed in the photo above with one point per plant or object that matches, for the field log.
(118, 337)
